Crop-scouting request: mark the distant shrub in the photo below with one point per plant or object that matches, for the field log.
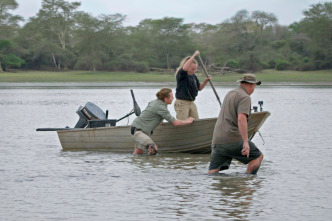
(320, 65)
(294, 62)
(278, 44)
(141, 67)
(264, 65)
(292, 59)
(306, 67)
(306, 60)
(282, 65)
(12, 60)
(113, 65)
(272, 64)
(126, 63)
(175, 61)
(233, 64)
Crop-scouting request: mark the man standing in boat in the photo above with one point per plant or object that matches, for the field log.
(230, 136)
(156, 111)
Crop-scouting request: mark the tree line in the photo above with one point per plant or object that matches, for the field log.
(61, 37)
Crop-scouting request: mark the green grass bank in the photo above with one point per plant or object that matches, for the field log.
(322, 76)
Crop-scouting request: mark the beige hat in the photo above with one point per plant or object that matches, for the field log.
(249, 78)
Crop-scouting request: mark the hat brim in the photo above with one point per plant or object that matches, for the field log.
(251, 82)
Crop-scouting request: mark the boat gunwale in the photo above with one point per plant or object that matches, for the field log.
(194, 147)
(122, 126)
(164, 123)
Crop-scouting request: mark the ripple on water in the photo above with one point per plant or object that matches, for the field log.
(39, 181)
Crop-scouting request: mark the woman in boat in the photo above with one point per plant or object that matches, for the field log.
(187, 87)
(156, 111)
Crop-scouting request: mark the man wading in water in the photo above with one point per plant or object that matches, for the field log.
(156, 111)
(230, 136)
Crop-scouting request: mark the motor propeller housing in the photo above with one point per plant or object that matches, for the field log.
(93, 116)
(89, 112)
(90, 116)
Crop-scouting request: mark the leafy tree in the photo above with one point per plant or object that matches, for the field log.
(242, 39)
(8, 59)
(317, 25)
(37, 48)
(8, 22)
(172, 37)
(165, 40)
(55, 22)
(88, 44)
(203, 36)
(140, 44)
(8, 29)
(263, 19)
(113, 37)
(57, 17)
(97, 40)
(61, 37)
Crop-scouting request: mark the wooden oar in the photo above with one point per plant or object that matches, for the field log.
(207, 75)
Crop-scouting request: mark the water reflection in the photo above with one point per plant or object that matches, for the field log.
(236, 193)
(174, 161)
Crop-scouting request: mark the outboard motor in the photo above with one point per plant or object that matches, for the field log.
(89, 112)
(92, 116)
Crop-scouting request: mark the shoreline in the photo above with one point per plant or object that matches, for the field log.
(5, 85)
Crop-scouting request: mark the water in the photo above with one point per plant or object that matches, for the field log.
(39, 181)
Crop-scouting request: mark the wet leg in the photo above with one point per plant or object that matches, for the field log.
(214, 171)
(254, 165)
(138, 151)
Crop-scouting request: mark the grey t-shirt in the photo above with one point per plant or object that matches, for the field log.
(152, 116)
(226, 130)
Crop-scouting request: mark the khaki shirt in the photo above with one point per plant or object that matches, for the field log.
(152, 116)
(226, 129)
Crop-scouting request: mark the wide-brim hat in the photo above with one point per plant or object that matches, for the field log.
(249, 78)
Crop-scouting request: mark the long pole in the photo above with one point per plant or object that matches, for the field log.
(207, 75)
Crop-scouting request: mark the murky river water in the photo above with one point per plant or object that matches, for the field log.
(39, 181)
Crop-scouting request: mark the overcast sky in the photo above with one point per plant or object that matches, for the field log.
(192, 11)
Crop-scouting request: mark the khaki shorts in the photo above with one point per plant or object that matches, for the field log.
(185, 109)
(142, 140)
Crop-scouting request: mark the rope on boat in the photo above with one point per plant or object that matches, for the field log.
(261, 137)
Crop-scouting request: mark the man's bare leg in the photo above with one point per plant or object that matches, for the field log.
(138, 151)
(254, 165)
(214, 171)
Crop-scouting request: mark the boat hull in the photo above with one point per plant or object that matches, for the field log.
(193, 138)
